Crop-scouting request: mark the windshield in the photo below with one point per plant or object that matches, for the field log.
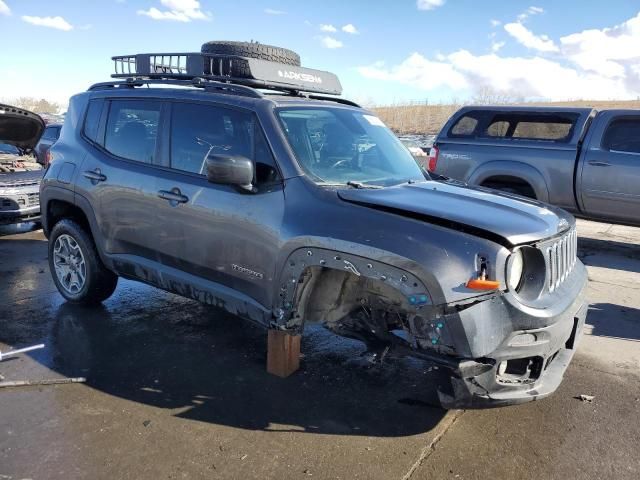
(336, 145)
(10, 149)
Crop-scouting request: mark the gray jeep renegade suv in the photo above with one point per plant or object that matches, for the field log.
(242, 186)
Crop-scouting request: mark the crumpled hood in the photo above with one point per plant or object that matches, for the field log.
(20, 127)
(496, 215)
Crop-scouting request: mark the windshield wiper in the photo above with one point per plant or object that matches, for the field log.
(354, 184)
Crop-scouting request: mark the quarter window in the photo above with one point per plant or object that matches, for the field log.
(132, 129)
(623, 135)
(92, 119)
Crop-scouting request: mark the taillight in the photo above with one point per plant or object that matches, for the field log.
(433, 158)
(47, 158)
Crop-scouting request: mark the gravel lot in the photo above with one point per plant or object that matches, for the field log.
(177, 390)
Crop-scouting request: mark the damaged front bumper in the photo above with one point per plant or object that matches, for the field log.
(518, 354)
(19, 204)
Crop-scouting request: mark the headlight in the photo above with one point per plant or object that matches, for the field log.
(515, 269)
(526, 273)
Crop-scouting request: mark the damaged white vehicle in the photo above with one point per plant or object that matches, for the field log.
(20, 173)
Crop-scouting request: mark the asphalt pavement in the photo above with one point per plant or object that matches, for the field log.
(175, 389)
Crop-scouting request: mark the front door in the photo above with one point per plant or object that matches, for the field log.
(611, 170)
(219, 232)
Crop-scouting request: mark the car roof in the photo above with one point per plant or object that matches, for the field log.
(233, 99)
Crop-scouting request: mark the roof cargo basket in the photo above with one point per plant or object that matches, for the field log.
(251, 72)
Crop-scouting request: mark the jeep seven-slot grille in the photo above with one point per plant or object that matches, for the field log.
(561, 257)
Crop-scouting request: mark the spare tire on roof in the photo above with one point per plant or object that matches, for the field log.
(253, 50)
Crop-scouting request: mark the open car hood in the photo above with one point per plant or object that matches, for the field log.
(507, 219)
(19, 127)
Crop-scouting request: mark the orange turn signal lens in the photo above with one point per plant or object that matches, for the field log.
(478, 284)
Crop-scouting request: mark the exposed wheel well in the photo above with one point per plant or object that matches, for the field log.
(327, 295)
(511, 184)
(368, 309)
(59, 209)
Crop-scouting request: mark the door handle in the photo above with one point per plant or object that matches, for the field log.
(95, 175)
(174, 196)
(599, 164)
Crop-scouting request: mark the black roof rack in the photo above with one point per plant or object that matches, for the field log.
(203, 68)
(208, 85)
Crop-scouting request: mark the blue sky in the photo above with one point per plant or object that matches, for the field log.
(384, 51)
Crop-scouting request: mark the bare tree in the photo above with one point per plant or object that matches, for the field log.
(486, 95)
(35, 105)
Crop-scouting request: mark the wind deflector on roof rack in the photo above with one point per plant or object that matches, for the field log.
(226, 68)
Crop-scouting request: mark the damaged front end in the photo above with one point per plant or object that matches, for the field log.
(491, 349)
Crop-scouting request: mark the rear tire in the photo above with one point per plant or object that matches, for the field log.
(75, 266)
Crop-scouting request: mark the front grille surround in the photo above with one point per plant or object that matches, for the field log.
(561, 254)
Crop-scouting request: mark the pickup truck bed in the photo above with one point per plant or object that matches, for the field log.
(580, 159)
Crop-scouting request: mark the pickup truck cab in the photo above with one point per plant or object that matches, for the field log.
(580, 159)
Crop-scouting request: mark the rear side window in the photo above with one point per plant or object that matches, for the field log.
(132, 129)
(92, 120)
(623, 135)
(518, 126)
(498, 129)
(550, 129)
(464, 127)
(198, 130)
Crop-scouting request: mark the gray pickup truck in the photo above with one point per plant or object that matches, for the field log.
(580, 159)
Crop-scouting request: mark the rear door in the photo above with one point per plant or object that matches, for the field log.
(610, 168)
(219, 232)
(118, 175)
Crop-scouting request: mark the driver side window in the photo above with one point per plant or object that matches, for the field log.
(199, 130)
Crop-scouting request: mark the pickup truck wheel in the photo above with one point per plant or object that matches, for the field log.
(76, 268)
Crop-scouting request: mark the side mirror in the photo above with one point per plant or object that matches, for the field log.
(230, 170)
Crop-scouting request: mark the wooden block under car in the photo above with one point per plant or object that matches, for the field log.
(283, 353)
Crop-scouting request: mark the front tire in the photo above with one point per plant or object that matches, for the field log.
(75, 266)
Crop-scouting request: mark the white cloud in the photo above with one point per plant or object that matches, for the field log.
(612, 52)
(4, 8)
(350, 28)
(529, 12)
(522, 77)
(429, 4)
(526, 37)
(177, 10)
(58, 23)
(495, 23)
(330, 42)
(271, 11)
(496, 46)
(328, 28)
(597, 64)
(419, 72)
